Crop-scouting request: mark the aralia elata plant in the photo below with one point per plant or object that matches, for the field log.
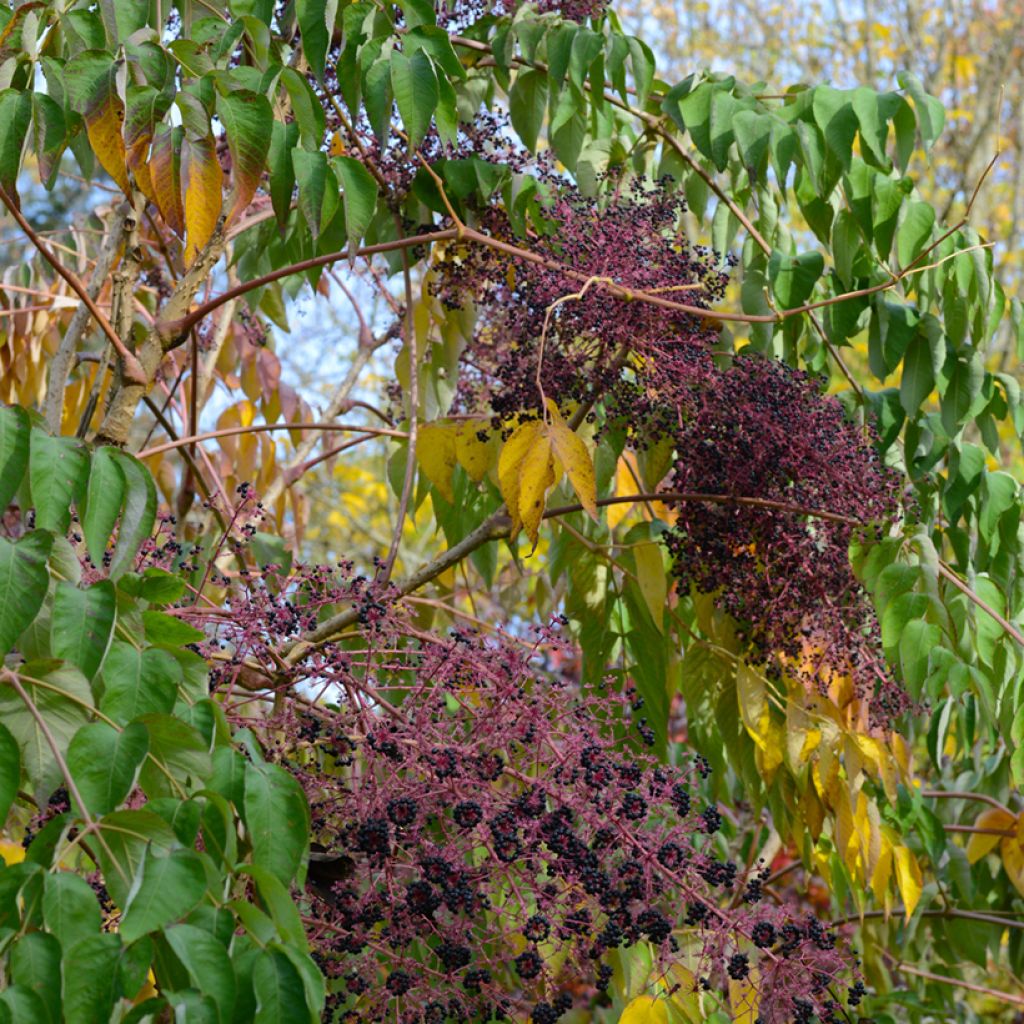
(654, 717)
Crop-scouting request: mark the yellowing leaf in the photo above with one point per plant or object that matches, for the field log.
(165, 176)
(1013, 861)
(537, 476)
(12, 853)
(202, 180)
(475, 456)
(435, 452)
(645, 1010)
(570, 450)
(883, 872)
(982, 843)
(510, 464)
(908, 878)
(743, 999)
(653, 581)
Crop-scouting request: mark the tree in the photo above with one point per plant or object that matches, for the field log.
(668, 666)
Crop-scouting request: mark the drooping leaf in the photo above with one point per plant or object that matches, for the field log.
(359, 199)
(137, 682)
(414, 82)
(208, 965)
(528, 101)
(280, 992)
(70, 908)
(137, 516)
(166, 175)
(104, 496)
(167, 886)
(10, 770)
(316, 21)
(104, 763)
(58, 468)
(82, 624)
(577, 463)
(276, 815)
(248, 120)
(23, 584)
(35, 962)
(793, 277)
(91, 989)
(15, 117)
(14, 451)
(91, 81)
(202, 181)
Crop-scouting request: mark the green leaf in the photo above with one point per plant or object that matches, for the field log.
(359, 199)
(1000, 491)
(965, 381)
(138, 516)
(930, 112)
(280, 991)
(873, 129)
(105, 762)
(311, 174)
(58, 468)
(35, 964)
(14, 449)
(82, 624)
(277, 901)
(835, 116)
(283, 140)
(793, 277)
(19, 1003)
(92, 987)
(24, 582)
(916, 642)
(914, 231)
(138, 682)
(167, 886)
(276, 816)
(70, 909)
(316, 22)
(248, 120)
(168, 630)
(10, 770)
(415, 87)
(104, 496)
(528, 100)
(181, 752)
(207, 963)
(127, 835)
(379, 98)
(61, 696)
(15, 117)
(918, 378)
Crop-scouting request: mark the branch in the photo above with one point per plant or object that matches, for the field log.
(60, 365)
(132, 369)
(260, 428)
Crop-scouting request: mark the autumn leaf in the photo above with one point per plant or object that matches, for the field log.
(993, 820)
(165, 175)
(653, 581)
(92, 91)
(572, 453)
(510, 464)
(436, 454)
(645, 1010)
(908, 878)
(202, 181)
(475, 456)
(538, 475)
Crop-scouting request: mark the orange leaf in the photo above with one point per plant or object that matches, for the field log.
(982, 843)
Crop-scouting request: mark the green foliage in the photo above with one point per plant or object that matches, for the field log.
(105, 711)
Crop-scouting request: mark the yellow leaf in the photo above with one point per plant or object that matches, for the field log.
(202, 179)
(575, 458)
(982, 843)
(103, 126)
(908, 878)
(623, 485)
(475, 456)
(683, 992)
(645, 1010)
(743, 999)
(653, 581)
(1013, 861)
(537, 475)
(12, 853)
(435, 452)
(510, 464)
(883, 872)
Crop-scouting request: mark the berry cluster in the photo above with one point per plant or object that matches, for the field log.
(485, 804)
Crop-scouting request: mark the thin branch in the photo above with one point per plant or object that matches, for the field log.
(259, 428)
